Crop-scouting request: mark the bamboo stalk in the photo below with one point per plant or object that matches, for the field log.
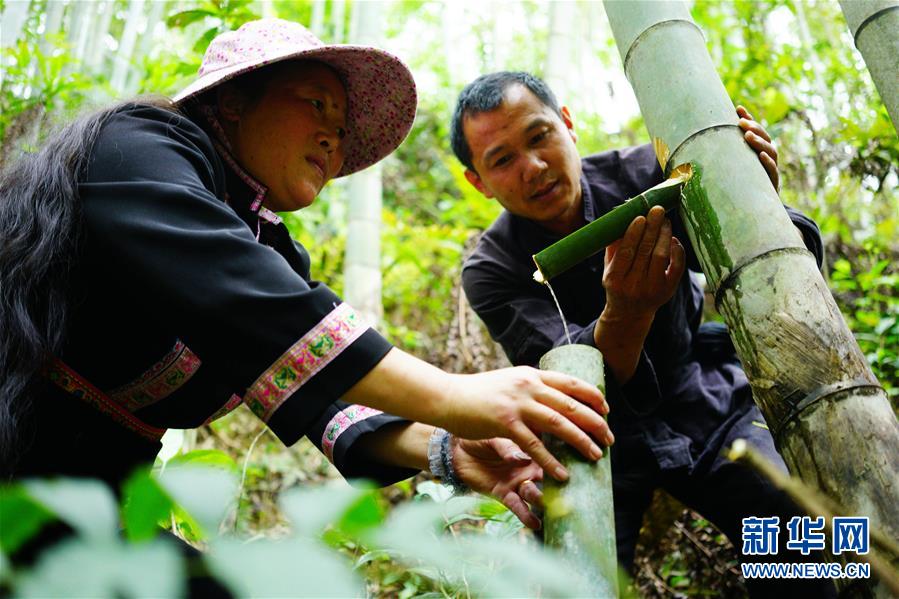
(814, 504)
(593, 237)
(830, 418)
(874, 25)
(579, 519)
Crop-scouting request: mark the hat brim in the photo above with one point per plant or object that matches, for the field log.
(381, 97)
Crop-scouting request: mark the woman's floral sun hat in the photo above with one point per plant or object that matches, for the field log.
(380, 88)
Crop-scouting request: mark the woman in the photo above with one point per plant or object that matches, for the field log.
(147, 283)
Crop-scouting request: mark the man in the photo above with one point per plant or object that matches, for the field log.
(677, 393)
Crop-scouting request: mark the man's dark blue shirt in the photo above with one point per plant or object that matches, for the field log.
(689, 397)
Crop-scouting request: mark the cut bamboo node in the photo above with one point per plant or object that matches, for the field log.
(594, 237)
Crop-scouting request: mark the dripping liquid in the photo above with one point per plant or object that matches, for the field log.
(559, 308)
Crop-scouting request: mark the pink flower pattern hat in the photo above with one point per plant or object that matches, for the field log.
(380, 88)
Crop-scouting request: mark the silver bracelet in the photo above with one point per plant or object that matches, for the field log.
(435, 461)
(440, 460)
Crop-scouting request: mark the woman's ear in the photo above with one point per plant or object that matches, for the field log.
(230, 102)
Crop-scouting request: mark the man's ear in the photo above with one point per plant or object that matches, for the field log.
(475, 180)
(230, 103)
(569, 122)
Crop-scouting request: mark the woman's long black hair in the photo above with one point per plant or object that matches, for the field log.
(40, 224)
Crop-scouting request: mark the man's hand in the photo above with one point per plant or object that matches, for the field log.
(499, 468)
(642, 271)
(759, 140)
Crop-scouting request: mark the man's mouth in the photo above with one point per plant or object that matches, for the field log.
(545, 190)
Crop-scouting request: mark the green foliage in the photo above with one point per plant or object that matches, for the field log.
(338, 533)
(37, 78)
(869, 295)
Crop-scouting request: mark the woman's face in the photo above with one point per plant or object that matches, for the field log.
(290, 139)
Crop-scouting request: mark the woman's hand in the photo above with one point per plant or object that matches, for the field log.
(499, 468)
(515, 403)
(520, 403)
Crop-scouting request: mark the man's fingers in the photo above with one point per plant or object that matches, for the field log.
(754, 127)
(521, 510)
(644, 251)
(759, 144)
(661, 253)
(771, 168)
(576, 388)
(678, 263)
(626, 249)
(743, 113)
(531, 444)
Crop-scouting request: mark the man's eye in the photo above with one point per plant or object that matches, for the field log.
(341, 132)
(318, 104)
(539, 137)
(502, 161)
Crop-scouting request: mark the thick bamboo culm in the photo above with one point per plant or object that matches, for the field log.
(874, 25)
(579, 519)
(593, 237)
(831, 420)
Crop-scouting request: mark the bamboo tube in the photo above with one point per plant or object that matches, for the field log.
(830, 418)
(593, 237)
(580, 518)
(874, 25)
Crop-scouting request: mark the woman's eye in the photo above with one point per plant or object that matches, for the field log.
(502, 161)
(341, 132)
(539, 137)
(318, 104)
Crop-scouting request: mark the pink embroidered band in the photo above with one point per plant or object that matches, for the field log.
(160, 380)
(74, 384)
(341, 422)
(232, 403)
(315, 350)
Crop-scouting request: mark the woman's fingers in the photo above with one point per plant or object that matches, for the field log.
(533, 446)
(574, 429)
(576, 388)
(530, 492)
(509, 451)
(518, 507)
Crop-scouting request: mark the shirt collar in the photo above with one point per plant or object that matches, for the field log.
(223, 146)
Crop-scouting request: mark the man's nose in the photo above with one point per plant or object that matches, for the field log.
(533, 167)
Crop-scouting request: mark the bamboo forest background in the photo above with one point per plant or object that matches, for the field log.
(392, 238)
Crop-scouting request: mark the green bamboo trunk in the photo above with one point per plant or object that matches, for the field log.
(829, 416)
(580, 518)
(874, 25)
(593, 237)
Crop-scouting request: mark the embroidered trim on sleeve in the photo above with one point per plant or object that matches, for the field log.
(74, 384)
(341, 422)
(315, 350)
(160, 380)
(232, 403)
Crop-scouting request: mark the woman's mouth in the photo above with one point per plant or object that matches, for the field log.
(318, 163)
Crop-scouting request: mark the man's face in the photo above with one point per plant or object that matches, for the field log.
(524, 156)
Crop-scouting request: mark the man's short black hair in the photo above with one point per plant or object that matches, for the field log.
(485, 94)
